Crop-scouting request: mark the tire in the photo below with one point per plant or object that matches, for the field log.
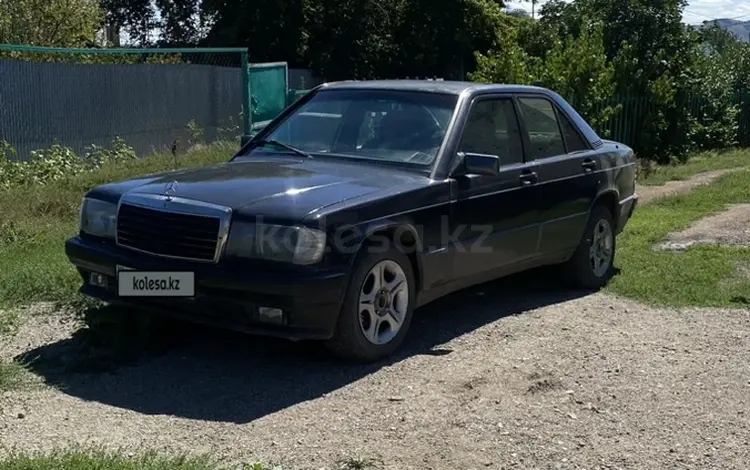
(580, 271)
(350, 340)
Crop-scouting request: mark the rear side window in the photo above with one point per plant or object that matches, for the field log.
(573, 139)
(542, 126)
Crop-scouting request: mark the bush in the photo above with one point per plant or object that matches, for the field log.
(57, 162)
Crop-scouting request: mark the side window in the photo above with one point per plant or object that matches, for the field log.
(541, 123)
(573, 139)
(492, 128)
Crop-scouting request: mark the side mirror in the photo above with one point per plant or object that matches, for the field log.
(479, 164)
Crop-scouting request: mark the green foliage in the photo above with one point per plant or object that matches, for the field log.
(93, 57)
(644, 78)
(12, 376)
(575, 67)
(721, 66)
(60, 23)
(378, 38)
(506, 63)
(196, 132)
(99, 460)
(119, 151)
(57, 162)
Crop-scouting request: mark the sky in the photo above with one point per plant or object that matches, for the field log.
(697, 11)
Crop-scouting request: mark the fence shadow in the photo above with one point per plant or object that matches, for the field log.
(216, 375)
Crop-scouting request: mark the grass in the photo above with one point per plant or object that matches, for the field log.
(12, 376)
(8, 321)
(97, 460)
(85, 460)
(697, 277)
(706, 161)
(100, 460)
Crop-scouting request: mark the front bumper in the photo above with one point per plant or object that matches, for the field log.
(226, 295)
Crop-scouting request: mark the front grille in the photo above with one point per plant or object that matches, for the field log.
(170, 234)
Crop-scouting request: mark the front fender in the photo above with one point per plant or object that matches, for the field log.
(383, 234)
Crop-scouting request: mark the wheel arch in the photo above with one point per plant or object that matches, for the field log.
(403, 234)
(611, 201)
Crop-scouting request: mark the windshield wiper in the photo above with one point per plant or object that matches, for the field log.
(262, 143)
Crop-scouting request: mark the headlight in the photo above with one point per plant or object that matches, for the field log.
(98, 218)
(298, 245)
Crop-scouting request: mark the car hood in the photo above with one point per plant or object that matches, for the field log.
(276, 187)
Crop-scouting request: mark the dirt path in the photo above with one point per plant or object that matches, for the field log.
(728, 228)
(649, 193)
(517, 379)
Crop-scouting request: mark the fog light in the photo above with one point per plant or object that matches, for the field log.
(98, 280)
(271, 315)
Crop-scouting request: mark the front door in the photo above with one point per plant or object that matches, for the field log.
(495, 218)
(568, 173)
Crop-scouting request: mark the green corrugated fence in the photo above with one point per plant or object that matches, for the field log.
(150, 98)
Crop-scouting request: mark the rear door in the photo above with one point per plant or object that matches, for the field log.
(568, 172)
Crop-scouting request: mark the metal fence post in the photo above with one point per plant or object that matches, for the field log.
(247, 109)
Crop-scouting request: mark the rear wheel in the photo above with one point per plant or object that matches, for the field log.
(592, 265)
(377, 308)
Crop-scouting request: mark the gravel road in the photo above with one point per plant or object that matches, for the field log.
(511, 374)
(496, 377)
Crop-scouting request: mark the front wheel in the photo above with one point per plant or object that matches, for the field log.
(592, 265)
(377, 308)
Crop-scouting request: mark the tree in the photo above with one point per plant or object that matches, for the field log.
(439, 37)
(137, 18)
(181, 22)
(272, 30)
(575, 67)
(578, 69)
(347, 39)
(60, 23)
(652, 54)
(506, 62)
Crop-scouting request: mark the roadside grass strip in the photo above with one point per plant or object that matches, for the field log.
(697, 276)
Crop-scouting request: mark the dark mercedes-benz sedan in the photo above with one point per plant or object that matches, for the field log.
(359, 203)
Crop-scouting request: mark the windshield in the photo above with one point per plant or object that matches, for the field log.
(381, 125)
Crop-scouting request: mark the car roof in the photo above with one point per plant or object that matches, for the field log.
(434, 86)
(458, 87)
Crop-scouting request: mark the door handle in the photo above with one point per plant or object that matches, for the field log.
(529, 178)
(589, 165)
